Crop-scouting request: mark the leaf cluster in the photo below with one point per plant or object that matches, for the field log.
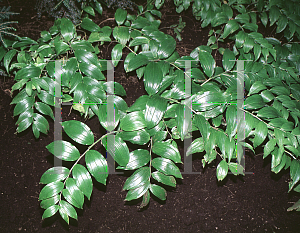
(184, 94)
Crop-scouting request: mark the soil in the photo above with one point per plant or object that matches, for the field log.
(257, 202)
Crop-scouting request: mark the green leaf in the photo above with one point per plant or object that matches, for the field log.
(295, 173)
(46, 97)
(50, 190)
(196, 146)
(231, 120)
(75, 192)
(282, 23)
(67, 195)
(89, 10)
(107, 121)
(50, 211)
(269, 147)
(137, 159)
(120, 16)
(140, 137)
(279, 135)
(228, 60)
(137, 192)
(162, 178)
(166, 166)
(83, 180)
(230, 27)
(261, 131)
(236, 168)
(138, 178)
(133, 121)
(158, 191)
(254, 102)
(119, 150)
(121, 34)
(44, 109)
(68, 209)
(152, 78)
(136, 62)
(183, 121)
(222, 170)
(274, 14)
(67, 29)
(89, 25)
(98, 7)
(116, 54)
(155, 108)
(203, 126)
(139, 40)
(54, 174)
(167, 150)
(45, 204)
(207, 62)
(268, 112)
(8, 57)
(97, 165)
(63, 150)
(256, 88)
(139, 104)
(79, 132)
(166, 48)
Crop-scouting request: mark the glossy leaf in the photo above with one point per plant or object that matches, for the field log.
(109, 122)
(50, 211)
(230, 28)
(116, 54)
(208, 63)
(158, 191)
(83, 180)
(54, 174)
(75, 192)
(236, 168)
(67, 29)
(167, 150)
(78, 131)
(97, 165)
(269, 147)
(183, 121)
(137, 192)
(155, 108)
(140, 137)
(68, 209)
(51, 189)
(63, 150)
(133, 121)
(152, 78)
(162, 178)
(222, 170)
(254, 102)
(167, 167)
(89, 25)
(196, 146)
(8, 57)
(136, 62)
(138, 178)
(120, 16)
(261, 131)
(137, 158)
(228, 59)
(119, 150)
(257, 87)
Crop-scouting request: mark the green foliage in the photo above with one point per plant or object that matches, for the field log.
(270, 111)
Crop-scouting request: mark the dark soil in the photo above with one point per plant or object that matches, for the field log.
(254, 203)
